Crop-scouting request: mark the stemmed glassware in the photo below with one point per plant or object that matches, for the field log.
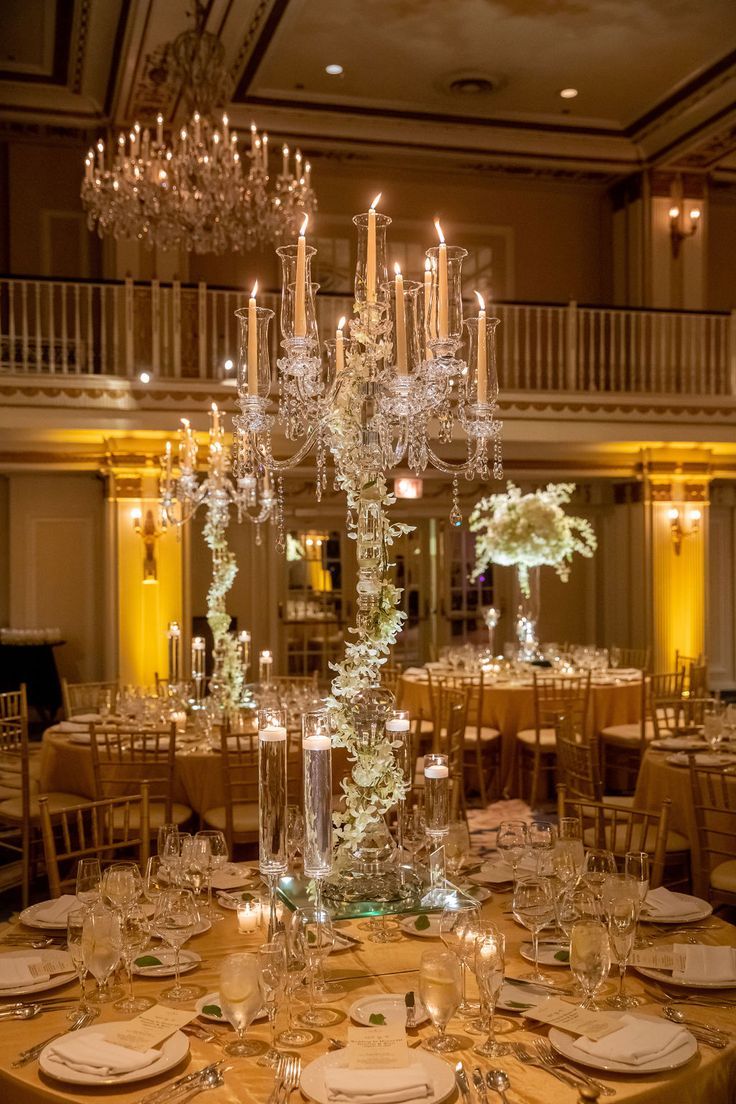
(490, 947)
(272, 965)
(621, 903)
(100, 949)
(440, 989)
(459, 924)
(74, 929)
(457, 847)
(134, 933)
(89, 877)
(533, 906)
(296, 969)
(213, 845)
(122, 885)
(155, 880)
(512, 841)
(175, 919)
(241, 999)
(636, 865)
(542, 836)
(312, 931)
(599, 864)
(590, 958)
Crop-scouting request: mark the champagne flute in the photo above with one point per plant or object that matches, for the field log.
(636, 865)
(622, 913)
(134, 933)
(272, 965)
(217, 854)
(490, 947)
(590, 958)
(89, 877)
(175, 919)
(74, 928)
(533, 906)
(512, 840)
(313, 932)
(458, 923)
(439, 989)
(241, 999)
(100, 942)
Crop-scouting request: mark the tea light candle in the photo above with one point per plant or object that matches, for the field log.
(249, 917)
(265, 666)
(179, 718)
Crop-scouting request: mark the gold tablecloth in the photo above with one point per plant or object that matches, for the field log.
(510, 709)
(710, 1076)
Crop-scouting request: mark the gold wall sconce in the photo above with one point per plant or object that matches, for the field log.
(149, 533)
(683, 523)
(682, 225)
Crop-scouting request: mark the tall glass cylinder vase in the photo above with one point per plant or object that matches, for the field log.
(317, 774)
(437, 814)
(398, 731)
(272, 802)
(527, 614)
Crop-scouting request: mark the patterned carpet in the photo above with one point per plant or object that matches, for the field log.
(484, 822)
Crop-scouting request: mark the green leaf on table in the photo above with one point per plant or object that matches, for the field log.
(212, 1010)
(422, 922)
(562, 955)
(377, 1018)
(246, 898)
(148, 960)
(518, 1004)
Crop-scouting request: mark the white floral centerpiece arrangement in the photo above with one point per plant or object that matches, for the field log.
(529, 530)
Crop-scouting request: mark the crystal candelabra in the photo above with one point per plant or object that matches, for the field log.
(405, 377)
(181, 497)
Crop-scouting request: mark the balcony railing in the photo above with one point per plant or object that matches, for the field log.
(188, 332)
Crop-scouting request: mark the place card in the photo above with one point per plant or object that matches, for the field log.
(656, 958)
(58, 963)
(150, 1028)
(381, 1047)
(578, 1021)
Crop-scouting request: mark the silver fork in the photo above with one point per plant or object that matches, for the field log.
(30, 1055)
(528, 1059)
(279, 1077)
(293, 1077)
(551, 1061)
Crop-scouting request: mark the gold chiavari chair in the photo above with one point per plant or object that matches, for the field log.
(19, 806)
(623, 746)
(85, 697)
(554, 696)
(482, 747)
(578, 761)
(714, 805)
(633, 658)
(95, 829)
(391, 679)
(123, 757)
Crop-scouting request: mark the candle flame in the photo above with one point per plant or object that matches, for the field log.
(481, 300)
(285, 151)
(341, 324)
(225, 120)
(304, 226)
(375, 202)
(253, 128)
(214, 408)
(397, 268)
(185, 423)
(427, 264)
(438, 228)
(159, 119)
(168, 447)
(255, 289)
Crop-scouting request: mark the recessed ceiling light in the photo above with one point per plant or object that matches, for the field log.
(334, 70)
(568, 93)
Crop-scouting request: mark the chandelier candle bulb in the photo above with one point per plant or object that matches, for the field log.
(400, 322)
(284, 160)
(427, 293)
(215, 420)
(300, 311)
(339, 347)
(264, 148)
(482, 370)
(174, 639)
(443, 305)
(370, 262)
(252, 343)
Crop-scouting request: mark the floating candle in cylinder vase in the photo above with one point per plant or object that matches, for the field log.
(317, 764)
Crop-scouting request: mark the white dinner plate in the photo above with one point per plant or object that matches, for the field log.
(388, 1005)
(54, 982)
(235, 876)
(668, 979)
(701, 910)
(429, 925)
(703, 759)
(188, 960)
(564, 1044)
(212, 1002)
(550, 954)
(678, 743)
(233, 900)
(173, 1050)
(441, 1073)
(479, 893)
(28, 917)
(520, 998)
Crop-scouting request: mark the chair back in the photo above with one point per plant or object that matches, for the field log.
(13, 722)
(96, 829)
(637, 658)
(123, 757)
(555, 696)
(240, 776)
(620, 828)
(714, 804)
(578, 761)
(697, 680)
(85, 697)
(391, 680)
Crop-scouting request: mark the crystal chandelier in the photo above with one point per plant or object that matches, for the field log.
(196, 191)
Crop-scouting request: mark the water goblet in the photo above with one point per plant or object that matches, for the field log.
(599, 864)
(89, 877)
(713, 729)
(272, 965)
(100, 953)
(296, 971)
(512, 841)
(590, 958)
(217, 854)
(439, 989)
(241, 998)
(122, 885)
(313, 932)
(542, 836)
(458, 924)
(175, 919)
(533, 906)
(490, 948)
(134, 933)
(457, 847)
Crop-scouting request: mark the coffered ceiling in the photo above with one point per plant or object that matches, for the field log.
(472, 81)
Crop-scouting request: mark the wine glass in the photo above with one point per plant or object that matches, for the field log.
(134, 933)
(195, 861)
(89, 877)
(490, 948)
(175, 919)
(533, 906)
(241, 999)
(313, 933)
(217, 854)
(439, 989)
(458, 923)
(636, 865)
(599, 864)
(272, 965)
(155, 879)
(457, 847)
(296, 969)
(623, 910)
(100, 943)
(713, 729)
(590, 958)
(512, 841)
(122, 885)
(74, 928)
(576, 903)
(542, 836)
(168, 844)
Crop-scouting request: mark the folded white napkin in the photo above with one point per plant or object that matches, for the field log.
(705, 964)
(382, 1086)
(15, 972)
(663, 902)
(57, 911)
(72, 726)
(231, 879)
(93, 1054)
(87, 717)
(637, 1041)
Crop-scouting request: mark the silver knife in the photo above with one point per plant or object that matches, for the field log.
(539, 985)
(180, 1083)
(480, 1085)
(462, 1082)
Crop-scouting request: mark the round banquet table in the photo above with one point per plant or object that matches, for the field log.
(371, 968)
(509, 707)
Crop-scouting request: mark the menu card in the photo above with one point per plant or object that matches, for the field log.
(48, 965)
(578, 1021)
(656, 958)
(381, 1047)
(150, 1027)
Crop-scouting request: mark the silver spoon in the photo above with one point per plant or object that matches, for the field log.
(24, 1012)
(677, 1016)
(497, 1080)
(212, 1079)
